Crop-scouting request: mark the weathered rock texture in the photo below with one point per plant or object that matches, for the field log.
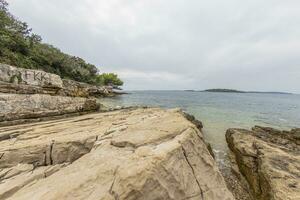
(25, 81)
(146, 154)
(269, 159)
(32, 95)
(15, 75)
(16, 108)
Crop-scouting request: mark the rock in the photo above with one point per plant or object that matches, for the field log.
(26, 81)
(32, 95)
(23, 76)
(269, 159)
(143, 153)
(78, 89)
(21, 107)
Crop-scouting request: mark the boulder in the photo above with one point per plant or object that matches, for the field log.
(269, 159)
(144, 153)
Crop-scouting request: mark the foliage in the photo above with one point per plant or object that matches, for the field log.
(109, 79)
(22, 48)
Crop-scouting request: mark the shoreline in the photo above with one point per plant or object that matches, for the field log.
(52, 145)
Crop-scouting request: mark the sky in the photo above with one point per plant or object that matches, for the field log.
(177, 44)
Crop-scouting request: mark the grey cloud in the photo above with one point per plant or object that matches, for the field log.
(177, 44)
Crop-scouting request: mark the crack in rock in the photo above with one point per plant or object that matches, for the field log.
(1, 156)
(193, 171)
(51, 152)
(111, 192)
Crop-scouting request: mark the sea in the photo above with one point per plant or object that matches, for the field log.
(220, 111)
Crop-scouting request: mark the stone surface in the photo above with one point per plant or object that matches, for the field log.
(145, 153)
(78, 89)
(16, 75)
(269, 159)
(25, 81)
(20, 107)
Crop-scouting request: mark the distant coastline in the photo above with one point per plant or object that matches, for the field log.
(240, 91)
(221, 90)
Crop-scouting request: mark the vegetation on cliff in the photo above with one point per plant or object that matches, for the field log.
(20, 47)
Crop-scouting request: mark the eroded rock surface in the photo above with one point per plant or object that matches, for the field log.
(32, 95)
(269, 159)
(16, 75)
(27, 81)
(16, 108)
(145, 154)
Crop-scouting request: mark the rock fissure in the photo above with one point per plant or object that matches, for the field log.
(51, 153)
(193, 171)
(111, 191)
(2, 177)
(1, 156)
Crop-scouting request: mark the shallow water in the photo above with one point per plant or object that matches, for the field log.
(220, 111)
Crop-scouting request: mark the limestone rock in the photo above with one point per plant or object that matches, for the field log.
(26, 81)
(15, 75)
(20, 107)
(270, 161)
(143, 153)
(78, 89)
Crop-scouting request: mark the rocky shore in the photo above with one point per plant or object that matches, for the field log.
(66, 153)
(55, 143)
(143, 153)
(269, 160)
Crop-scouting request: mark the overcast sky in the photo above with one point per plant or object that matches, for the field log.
(177, 44)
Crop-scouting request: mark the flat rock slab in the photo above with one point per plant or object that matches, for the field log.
(270, 161)
(145, 154)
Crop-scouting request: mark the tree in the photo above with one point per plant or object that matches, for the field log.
(3, 5)
(109, 79)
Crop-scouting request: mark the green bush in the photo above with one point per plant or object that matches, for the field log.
(109, 79)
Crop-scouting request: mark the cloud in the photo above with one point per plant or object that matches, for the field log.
(177, 44)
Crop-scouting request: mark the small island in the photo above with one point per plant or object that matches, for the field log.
(224, 90)
(239, 91)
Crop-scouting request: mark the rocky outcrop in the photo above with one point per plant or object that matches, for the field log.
(31, 95)
(78, 89)
(10, 74)
(26, 81)
(18, 108)
(144, 153)
(269, 159)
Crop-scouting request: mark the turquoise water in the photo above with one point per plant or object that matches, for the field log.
(220, 111)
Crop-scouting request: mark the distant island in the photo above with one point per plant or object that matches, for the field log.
(239, 91)
(224, 90)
